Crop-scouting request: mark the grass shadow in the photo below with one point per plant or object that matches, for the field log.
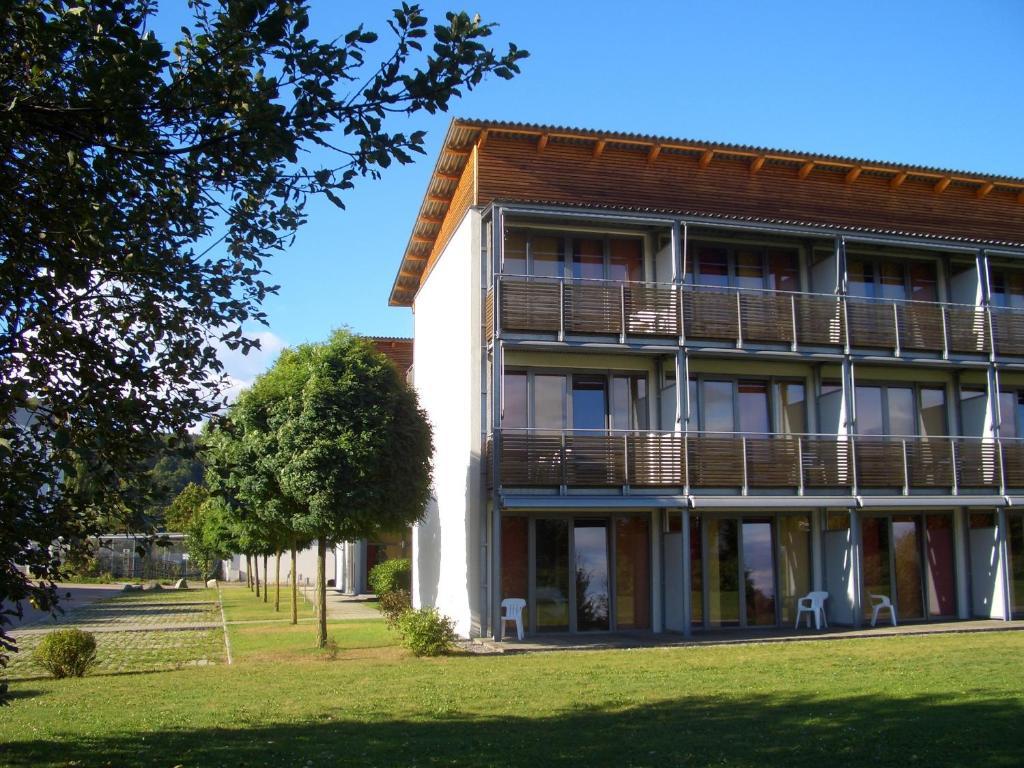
(738, 730)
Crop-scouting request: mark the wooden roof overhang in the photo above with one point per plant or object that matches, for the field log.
(483, 162)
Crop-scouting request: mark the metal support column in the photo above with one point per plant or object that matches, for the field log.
(855, 567)
(497, 389)
(1003, 569)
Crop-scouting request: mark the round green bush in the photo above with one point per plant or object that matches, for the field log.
(426, 632)
(393, 604)
(390, 576)
(66, 652)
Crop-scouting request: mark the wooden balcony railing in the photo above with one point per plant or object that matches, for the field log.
(738, 316)
(746, 462)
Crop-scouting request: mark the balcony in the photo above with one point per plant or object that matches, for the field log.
(736, 317)
(745, 463)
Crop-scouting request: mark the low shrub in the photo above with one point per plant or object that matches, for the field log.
(66, 652)
(394, 604)
(390, 576)
(426, 632)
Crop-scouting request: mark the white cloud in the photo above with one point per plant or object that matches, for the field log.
(242, 369)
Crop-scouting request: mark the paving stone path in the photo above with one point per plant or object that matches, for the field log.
(135, 633)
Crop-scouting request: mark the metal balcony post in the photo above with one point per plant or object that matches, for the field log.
(846, 324)
(792, 314)
(625, 464)
(682, 314)
(563, 461)
(1002, 469)
(745, 479)
(799, 466)
(896, 326)
(561, 309)
(945, 332)
(952, 456)
(686, 464)
(906, 470)
(853, 464)
(739, 322)
(622, 311)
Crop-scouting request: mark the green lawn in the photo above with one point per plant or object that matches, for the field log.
(906, 701)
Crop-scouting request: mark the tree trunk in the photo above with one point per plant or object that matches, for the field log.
(295, 591)
(256, 573)
(266, 583)
(277, 582)
(321, 592)
(248, 572)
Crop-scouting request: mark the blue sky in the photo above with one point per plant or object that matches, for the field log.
(930, 82)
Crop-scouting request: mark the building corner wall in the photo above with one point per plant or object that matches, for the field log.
(446, 358)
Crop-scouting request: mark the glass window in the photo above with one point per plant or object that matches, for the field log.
(1020, 411)
(869, 411)
(759, 571)
(860, 278)
(515, 411)
(749, 269)
(923, 281)
(892, 280)
(515, 254)
(713, 265)
(933, 412)
(1007, 287)
(753, 407)
(589, 402)
(717, 404)
(973, 405)
(783, 270)
(1007, 414)
(723, 571)
(902, 413)
(792, 407)
(588, 259)
(626, 260)
(549, 401)
(547, 255)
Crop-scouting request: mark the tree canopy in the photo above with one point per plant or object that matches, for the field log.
(336, 445)
(125, 161)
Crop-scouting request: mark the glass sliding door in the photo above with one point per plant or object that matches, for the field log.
(551, 594)
(696, 573)
(723, 564)
(906, 544)
(876, 566)
(892, 564)
(632, 573)
(794, 563)
(939, 559)
(1016, 546)
(589, 402)
(590, 544)
(759, 572)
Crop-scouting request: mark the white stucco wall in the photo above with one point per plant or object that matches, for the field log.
(446, 359)
(305, 565)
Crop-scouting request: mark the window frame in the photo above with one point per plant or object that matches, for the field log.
(916, 388)
(567, 411)
(567, 238)
(774, 399)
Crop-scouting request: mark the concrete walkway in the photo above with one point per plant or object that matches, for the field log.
(612, 640)
(361, 607)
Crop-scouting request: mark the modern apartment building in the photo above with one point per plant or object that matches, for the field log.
(676, 385)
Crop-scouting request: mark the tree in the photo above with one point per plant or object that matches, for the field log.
(206, 523)
(352, 448)
(124, 161)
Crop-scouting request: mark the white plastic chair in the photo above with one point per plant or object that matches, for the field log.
(882, 603)
(512, 610)
(813, 603)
